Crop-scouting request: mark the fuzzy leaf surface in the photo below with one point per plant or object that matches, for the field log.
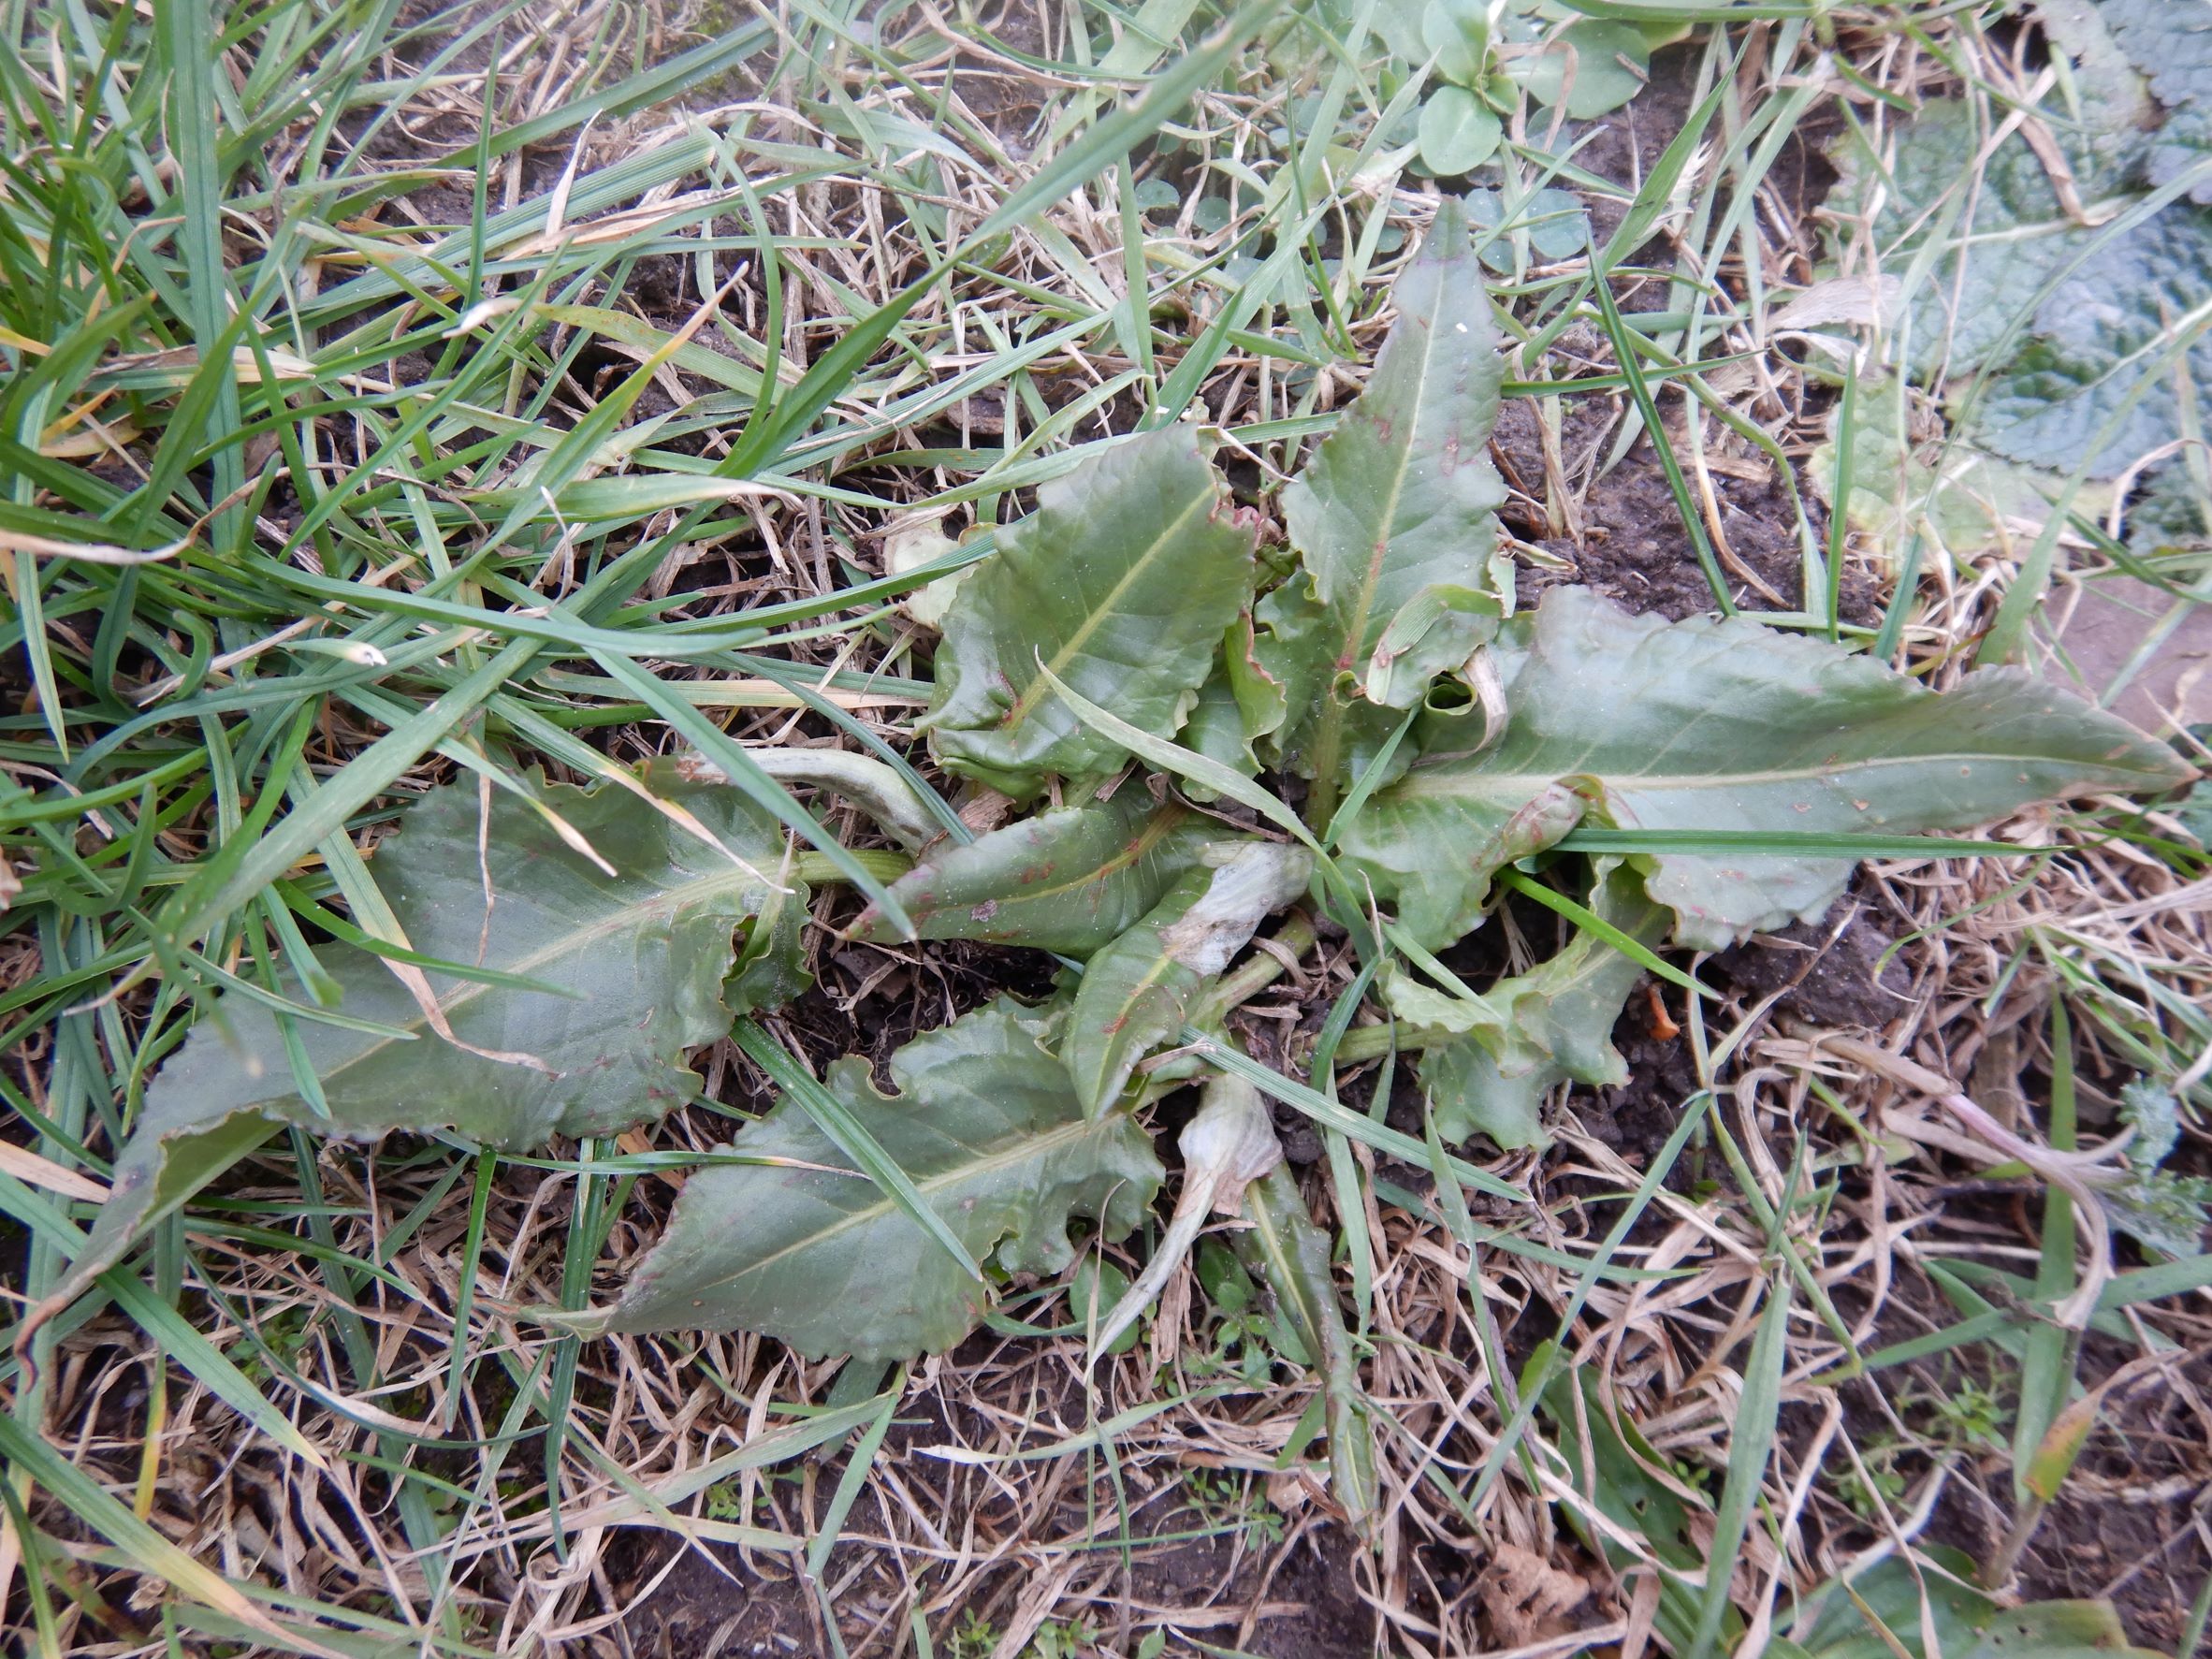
(1999, 251)
(1137, 990)
(2169, 41)
(2089, 353)
(634, 963)
(2096, 339)
(1633, 723)
(1122, 581)
(1401, 498)
(1072, 879)
(985, 1124)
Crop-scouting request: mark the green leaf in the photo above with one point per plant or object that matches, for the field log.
(1938, 485)
(987, 1128)
(1436, 632)
(1638, 723)
(1220, 728)
(2071, 306)
(1984, 270)
(1122, 581)
(1618, 1470)
(1400, 498)
(1072, 880)
(1876, 1614)
(1096, 1287)
(1136, 992)
(1551, 1025)
(1285, 1246)
(1554, 221)
(1458, 132)
(1589, 68)
(633, 961)
(1457, 32)
(2095, 339)
(2172, 45)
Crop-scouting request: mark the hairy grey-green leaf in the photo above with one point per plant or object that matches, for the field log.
(1996, 256)
(1136, 991)
(1122, 581)
(634, 963)
(1071, 880)
(2087, 353)
(985, 1124)
(2095, 359)
(2169, 41)
(1549, 1026)
(1632, 722)
(1401, 498)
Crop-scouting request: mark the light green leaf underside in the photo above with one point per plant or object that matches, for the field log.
(635, 963)
(1072, 880)
(986, 1126)
(1401, 498)
(1122, 581)
(1549, 1026)
(1639, 724)
(1136, 992)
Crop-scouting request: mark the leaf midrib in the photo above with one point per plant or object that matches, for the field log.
(1379, 548)
(734, 880)
(1035, 691)
(1446, 783)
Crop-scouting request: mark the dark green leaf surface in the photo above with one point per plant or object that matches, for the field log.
(1634, 722)
(1072, 880)
(2096, 341)
(986, 1126)
(1122, 581)
(1401, 498)
(2087, 354)
(635, 962)
(2169, 41)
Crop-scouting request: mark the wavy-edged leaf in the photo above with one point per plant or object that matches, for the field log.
(2172, 45)
(1123, 582)
(1137, 990)
(634, 966)
(2009, 225)
(1072, 880)
(1401, 498)
(2107, 328)
(2004, 245)
(1549, 1026)
(1438, 629)
(986, 1126)
(1639, 723)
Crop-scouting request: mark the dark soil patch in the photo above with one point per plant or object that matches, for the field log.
(1829, 973)
(716, 1606)
(2128, 1525)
